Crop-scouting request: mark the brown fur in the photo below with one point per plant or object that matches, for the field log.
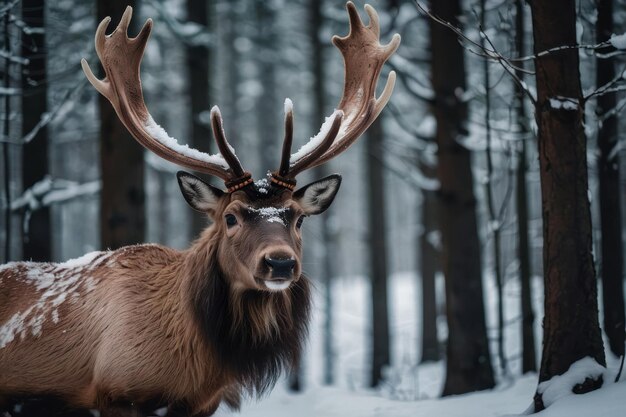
(144, 324)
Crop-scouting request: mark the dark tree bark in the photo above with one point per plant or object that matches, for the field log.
(267, 43)
(494, 216)
(122, 199)
(6, 131)
(199, 75)
(329, 269)
(377, 252)
(233, 74)
(529, 359)
(468, 359)
(571, 330)
(36, 244)
(429, 266)
(612, 263)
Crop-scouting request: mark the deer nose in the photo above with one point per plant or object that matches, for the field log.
(281, 267)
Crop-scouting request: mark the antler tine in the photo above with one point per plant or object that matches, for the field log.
(309, 158)
(226, 150)
(374, 24)
(121, 59)
(364, 57)
(283, 170)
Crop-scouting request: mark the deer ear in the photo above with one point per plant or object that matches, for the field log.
(199, 195)
(317, 196)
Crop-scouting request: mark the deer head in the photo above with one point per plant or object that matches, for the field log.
(257, 223)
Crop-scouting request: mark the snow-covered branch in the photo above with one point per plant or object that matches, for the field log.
(66, 103)
(191, 33)
(50, 191)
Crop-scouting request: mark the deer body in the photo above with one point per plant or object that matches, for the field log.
(138, 336)
(146, 326)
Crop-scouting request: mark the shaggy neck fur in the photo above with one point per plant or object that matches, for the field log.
(255, 334)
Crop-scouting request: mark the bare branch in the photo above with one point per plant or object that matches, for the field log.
(487, 53)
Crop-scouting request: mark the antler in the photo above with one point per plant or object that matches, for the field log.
(121, 59)
(364, 58)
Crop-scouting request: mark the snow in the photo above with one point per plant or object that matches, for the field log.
(434, 239)
(565, 103)
(13, 57)
(561, 385)
(54, 282)
(49, 191)
(288, 105)
(427, 127)
(413, 389)
(503, 401)
(270, 214)
(263, 185)
(618, 41)
(315, 141)
(4, 91)
(161, 135)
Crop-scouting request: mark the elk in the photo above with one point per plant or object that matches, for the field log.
(146, 326)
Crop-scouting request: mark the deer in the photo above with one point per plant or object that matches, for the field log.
(147, 327)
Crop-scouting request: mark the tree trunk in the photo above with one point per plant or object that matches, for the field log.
(468, 360)
(529, 359)
(199, 75)
(6, 131)
(36, 245)
(267, 46)
(494, 219)
(377, 252)
(233, 74)
(429, 265)
(122, 199)
(571, 330)
(612, 263)
(329, 270)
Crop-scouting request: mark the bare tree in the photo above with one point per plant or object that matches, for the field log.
(612, 263)
(6, 131)
(328, 267)
(122, 202)
(494, 219)
(429, 266)
(571, 330)
(198, 59)
(36, 244)
(529, 359)
(468, 358)
(267, 43)
(377, 252)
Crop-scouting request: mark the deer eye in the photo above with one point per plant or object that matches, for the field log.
(231, 220)
(299, 222)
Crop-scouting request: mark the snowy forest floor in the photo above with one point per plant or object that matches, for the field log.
(510, 400)
(411, 389)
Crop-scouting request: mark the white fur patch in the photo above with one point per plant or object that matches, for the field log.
(277, 286)
(270, 214)
(54, 282)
